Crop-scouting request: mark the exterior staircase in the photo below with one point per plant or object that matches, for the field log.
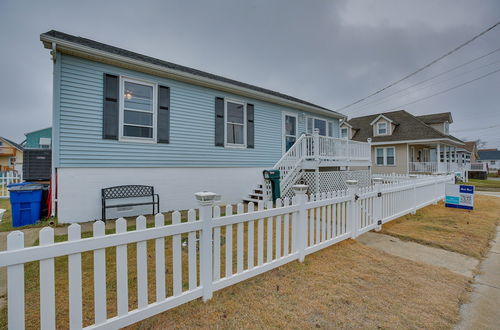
(312, 152)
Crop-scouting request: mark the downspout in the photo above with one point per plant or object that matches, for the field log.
(53, 174)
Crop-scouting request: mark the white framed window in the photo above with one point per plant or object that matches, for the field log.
(385, 156)
(137, 110)
(324, 126)
(235, 122)
(44, 143)
(382, 128)
(446, 127)
(344, 133)
(290, 122)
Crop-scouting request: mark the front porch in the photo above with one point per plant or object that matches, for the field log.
(434, 158)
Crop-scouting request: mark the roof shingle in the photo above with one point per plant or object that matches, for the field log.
(169, 65)
(408, 127)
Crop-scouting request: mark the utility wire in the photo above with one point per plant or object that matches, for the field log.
(475, 129)
(378, 101)
(422, 68)
(446, 90)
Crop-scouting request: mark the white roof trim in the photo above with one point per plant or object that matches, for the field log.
(380, 116)
(345, 123)
(10, 144)
(184, 76)
(417, 141)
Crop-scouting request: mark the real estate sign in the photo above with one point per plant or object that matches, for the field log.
(459, 196)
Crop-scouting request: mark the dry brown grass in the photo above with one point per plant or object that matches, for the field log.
(347, 285)
(462, 231)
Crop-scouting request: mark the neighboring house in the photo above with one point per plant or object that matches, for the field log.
(123, 118)
(403, 143)
(11, 156)
(39, 139)
(490, 157)
(468, 153)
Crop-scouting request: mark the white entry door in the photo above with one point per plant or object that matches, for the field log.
(289, 131)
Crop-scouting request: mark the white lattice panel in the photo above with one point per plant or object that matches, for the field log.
(331, 181)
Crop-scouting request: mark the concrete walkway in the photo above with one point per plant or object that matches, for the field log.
(455, 262)
(483, 310)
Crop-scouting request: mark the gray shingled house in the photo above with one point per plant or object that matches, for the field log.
(403, 143)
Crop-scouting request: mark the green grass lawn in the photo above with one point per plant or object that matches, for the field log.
(489, 185)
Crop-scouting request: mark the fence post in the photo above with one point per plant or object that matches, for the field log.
(15, 284)
(413, 179)
(301, 232)
(352, 219)
(206, 200)
(377, 205)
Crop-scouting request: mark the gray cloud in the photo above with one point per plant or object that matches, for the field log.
(327, 52)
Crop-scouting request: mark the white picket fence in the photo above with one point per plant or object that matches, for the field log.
(7, 178)
(220, 250)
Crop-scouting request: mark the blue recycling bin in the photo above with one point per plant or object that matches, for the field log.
(25, 201)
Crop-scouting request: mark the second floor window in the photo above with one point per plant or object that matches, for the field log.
(381, 128)
(343, 133)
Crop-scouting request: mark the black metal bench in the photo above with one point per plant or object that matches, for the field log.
(129, 191)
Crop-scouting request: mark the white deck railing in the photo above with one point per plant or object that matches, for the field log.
(293, 229)
(318, 148)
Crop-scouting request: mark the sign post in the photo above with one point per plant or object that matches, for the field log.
(459, 196)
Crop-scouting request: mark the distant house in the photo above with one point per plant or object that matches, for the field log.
(490, 157)
(39, 139)
(125, 118)
(11, 156)
(404, 143)
(468, 153)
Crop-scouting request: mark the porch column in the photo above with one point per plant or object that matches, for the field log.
(455, 154)
(438, 156)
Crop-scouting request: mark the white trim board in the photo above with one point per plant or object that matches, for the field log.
(417, 141)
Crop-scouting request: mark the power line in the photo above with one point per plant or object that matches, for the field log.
(446, 90)
(422, 68)
(380, 100)
(475, 129)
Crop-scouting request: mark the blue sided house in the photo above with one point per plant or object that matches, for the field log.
(39, 139)
(122, 118)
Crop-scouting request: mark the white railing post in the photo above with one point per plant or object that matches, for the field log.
(15, 284)
(352, 218)
(206, 200)
(413, 178)
(377, 203)
(301, 232)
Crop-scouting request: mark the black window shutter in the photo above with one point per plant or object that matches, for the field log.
(110, 107)
(219, 122)
(163, 114)
(250, 126)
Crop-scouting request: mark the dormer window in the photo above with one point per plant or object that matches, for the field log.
(344, 133)
(381, 128)
(446, 127)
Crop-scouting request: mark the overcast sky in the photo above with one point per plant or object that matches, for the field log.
(328, 52)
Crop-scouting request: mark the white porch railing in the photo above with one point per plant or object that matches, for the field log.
(435, 167)
(321, 149)
(212, 259)
(481, 167)
(423, 167)
(7, 178)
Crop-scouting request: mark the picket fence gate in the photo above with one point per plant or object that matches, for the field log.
(220, 249)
